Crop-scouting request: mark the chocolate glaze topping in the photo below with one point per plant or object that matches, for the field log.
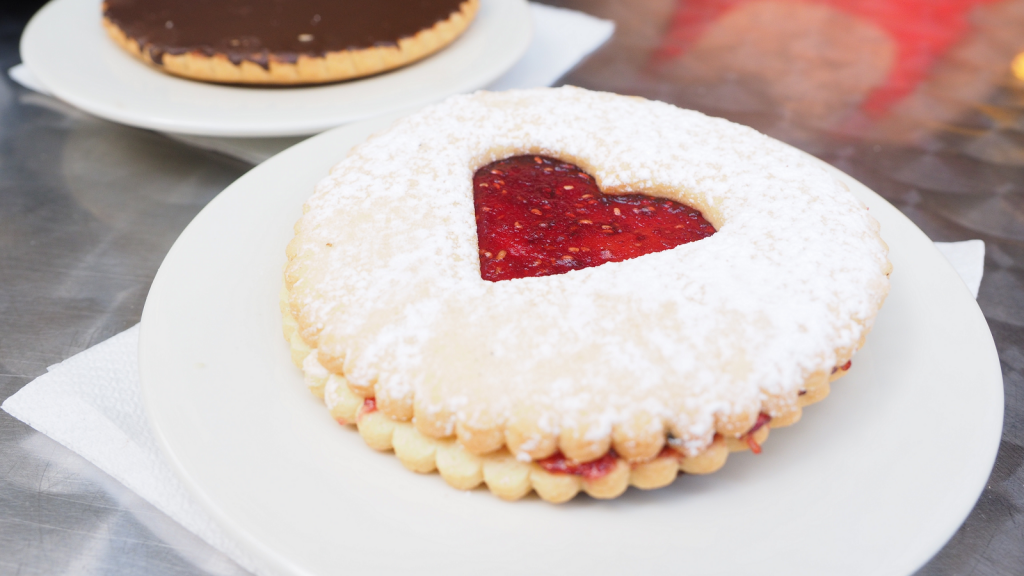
(256, 29)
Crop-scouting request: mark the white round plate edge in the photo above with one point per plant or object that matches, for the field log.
(267, 559)
(913, 557)
(37, 48)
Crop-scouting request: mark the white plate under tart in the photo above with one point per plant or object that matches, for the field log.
(67, 49)
(873, 480)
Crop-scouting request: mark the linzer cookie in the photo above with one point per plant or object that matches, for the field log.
(560, 290)
(284, 42)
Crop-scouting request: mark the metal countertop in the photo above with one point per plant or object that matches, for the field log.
(88, 209)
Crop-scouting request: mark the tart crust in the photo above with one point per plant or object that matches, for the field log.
(383, 297)
(332, 66)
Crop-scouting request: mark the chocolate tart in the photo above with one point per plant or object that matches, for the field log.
(286, 43)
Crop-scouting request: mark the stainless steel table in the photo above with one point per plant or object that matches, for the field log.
(924, 107)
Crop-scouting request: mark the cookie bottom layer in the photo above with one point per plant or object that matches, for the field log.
(504, 475)
(331, 67)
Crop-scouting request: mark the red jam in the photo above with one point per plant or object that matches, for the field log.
(538, 216)
(369, 405)
(762, 420)
(557, 463)
(669, 451)
(844, 367)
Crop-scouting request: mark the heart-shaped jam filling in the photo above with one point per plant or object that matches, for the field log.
(538, 216)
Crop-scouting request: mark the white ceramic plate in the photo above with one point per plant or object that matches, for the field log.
(67, 49)
(872, 481)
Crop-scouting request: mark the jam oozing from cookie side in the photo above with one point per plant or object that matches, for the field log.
(538, 216)
(557, 463)
(762, 420)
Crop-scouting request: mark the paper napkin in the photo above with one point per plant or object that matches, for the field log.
(91, 403)
(968, 257)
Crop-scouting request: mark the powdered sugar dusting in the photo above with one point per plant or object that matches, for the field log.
(386, 272)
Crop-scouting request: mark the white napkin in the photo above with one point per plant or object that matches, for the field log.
(968, 257)
(91, 403)
(561, 38)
